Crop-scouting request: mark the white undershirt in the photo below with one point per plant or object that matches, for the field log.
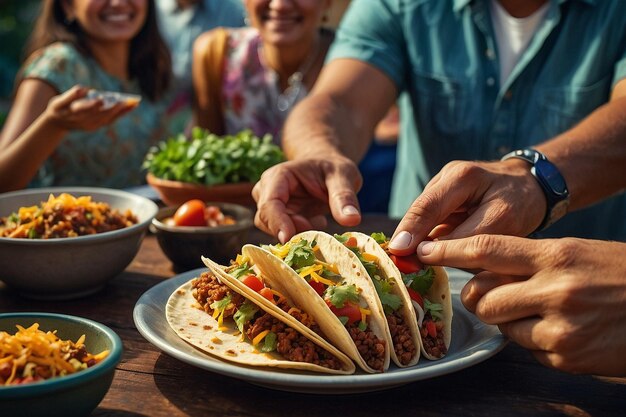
(513, 35)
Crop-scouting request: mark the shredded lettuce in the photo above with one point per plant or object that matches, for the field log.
(244, 314)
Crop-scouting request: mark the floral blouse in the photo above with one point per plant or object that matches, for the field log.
(250, 88)
(110, 156)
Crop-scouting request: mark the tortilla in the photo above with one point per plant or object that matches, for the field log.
(201, 330)
(329, 251)
(368, 245)
(439, 293)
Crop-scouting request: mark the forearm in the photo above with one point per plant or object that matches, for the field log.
(322, 126)
(21, 158)
(592, 155)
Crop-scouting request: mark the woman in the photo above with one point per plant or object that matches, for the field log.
(264, 70)
(54, 134)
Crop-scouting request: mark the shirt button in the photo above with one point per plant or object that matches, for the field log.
(490, 54)
(491, 81)
(508, 95)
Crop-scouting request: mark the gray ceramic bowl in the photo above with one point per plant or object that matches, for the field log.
(71, 395)
(71, 267)
(185, 245)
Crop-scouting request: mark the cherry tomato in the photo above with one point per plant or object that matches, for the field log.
(317, 286)
(432, 328)
(415, 296)
(349, 310)
(190, 213)
(351, 242)
(267, 293)
(253, 282)
(407, 264)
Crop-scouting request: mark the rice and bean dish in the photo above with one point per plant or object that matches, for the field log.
(64, 216)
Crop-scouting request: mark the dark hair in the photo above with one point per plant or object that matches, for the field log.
(149, 59)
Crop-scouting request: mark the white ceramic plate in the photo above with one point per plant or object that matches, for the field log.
(472, 343)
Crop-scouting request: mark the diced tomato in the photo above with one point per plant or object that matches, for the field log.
(432, 328)
(253, 282)
(349, 310)
(190, 213)
(407, 264)
(415, 296)
(317, 286)
(351, 242)
(267, 293)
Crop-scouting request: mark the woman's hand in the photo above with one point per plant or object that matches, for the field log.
(295, 195)
(563, 299)
(73, 111)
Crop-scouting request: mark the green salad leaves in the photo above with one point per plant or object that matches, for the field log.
(209, 159)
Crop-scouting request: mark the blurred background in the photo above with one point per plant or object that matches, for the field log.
(16, 17)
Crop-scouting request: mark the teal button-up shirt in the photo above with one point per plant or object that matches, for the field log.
(442, 56)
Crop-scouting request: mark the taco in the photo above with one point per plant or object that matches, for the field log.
(429, 290)
(393, 295)
(328, 278)
(230, 323)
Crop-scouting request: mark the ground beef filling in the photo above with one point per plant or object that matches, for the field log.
(208, 289)
(434, 346)
(292, 345)
(403, 343)
(371, 348)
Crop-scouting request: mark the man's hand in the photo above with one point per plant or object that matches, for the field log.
(468, 198)
(563, 299)
(295, 195)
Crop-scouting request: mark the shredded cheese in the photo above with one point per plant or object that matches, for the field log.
(364, 313)
(369, 257)
(319, 278)
(257, 339)
(33, 354)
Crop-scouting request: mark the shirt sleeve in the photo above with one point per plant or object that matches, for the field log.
(59, 65)
(371, 31)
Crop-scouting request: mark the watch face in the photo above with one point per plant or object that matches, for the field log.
(551, 176)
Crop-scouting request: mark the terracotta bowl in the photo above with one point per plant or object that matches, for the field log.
(174, 193)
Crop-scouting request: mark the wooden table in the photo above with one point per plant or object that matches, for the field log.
(150, 383)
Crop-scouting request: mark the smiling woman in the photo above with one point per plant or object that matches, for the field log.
(56, 134)
(252, 77)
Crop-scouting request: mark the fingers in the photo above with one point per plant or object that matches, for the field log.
(444, 195)
(500, 254)
(481, 284)
(342, 185)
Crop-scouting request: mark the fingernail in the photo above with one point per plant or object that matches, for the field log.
(281, 236)
(401, 241)
(349, 211)
(426, 248)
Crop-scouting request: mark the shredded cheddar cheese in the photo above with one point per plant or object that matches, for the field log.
(319, 278)
(32, 355)
(257, 339)
(369, 257)
(364, 313)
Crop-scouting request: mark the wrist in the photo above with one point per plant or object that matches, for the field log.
(550, 181)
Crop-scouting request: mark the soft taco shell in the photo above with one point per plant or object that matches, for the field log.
(333, 252)
(196, 327)
(367, 244)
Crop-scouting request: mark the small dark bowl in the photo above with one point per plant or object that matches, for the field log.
(77, 394)
(185, 245)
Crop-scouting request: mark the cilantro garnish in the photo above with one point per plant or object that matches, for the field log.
(338, 295)
(300, 254)
(390, 301)
(420, 281)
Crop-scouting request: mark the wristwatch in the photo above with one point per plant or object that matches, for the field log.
(551, 182)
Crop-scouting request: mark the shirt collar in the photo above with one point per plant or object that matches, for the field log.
(460, 4)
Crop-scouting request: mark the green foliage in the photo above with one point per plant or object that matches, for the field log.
(210, 159)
